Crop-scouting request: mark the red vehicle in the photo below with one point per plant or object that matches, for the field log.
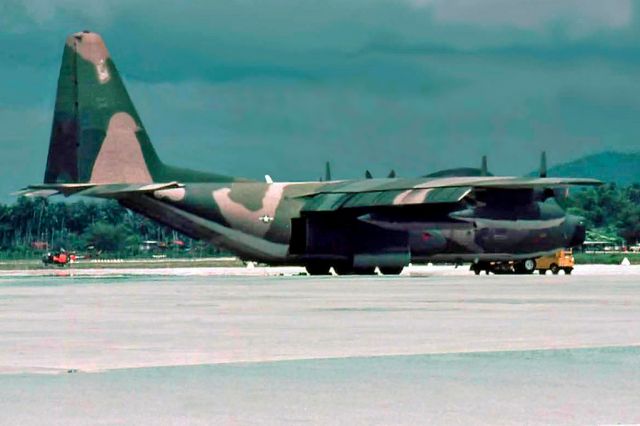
(60, 258)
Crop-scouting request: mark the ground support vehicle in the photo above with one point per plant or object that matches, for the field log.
(562, 260)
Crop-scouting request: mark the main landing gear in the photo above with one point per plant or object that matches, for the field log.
(391, 270)
(345, 269)
(318, 269)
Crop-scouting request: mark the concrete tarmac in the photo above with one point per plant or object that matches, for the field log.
(436, 345)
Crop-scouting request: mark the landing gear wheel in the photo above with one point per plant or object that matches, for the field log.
(543, 271)
(318, 269)
(567, 271)
(391, 270)
(343, 269)
(529, 266)
(346, 269)
(478, 267)
(365, 271)
(555, 269)
(525, 267)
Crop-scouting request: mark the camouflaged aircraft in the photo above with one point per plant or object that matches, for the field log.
(99, 148)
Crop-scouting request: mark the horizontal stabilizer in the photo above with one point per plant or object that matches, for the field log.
(47, 189)
(94, 190)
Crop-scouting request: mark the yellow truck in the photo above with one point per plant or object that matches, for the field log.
(562, 260)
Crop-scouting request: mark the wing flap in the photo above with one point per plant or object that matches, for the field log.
(334, 201)
(399, 192)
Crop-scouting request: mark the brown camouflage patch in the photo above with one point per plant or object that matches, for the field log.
(411, 196)
(173, 194)
(120, 159)
(255, 222)
(91, 48)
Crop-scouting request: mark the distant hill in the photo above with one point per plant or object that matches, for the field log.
(618, 167)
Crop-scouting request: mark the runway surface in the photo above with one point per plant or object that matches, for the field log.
(435, 345)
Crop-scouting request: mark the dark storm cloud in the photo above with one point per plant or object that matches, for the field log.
(279, 86)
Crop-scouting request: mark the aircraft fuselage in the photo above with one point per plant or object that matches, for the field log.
(267, 222)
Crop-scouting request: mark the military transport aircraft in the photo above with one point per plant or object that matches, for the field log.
(100, 148)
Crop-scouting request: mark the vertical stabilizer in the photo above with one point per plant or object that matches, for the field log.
(97, 135)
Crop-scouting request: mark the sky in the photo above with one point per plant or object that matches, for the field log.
(255, 87)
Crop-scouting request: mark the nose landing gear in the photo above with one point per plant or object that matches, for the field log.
(520, 267)
(525, 266)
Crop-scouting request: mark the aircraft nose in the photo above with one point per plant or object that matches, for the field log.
(578, 230)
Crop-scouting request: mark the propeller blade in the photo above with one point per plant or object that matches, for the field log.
(543, 165)
(483, 168)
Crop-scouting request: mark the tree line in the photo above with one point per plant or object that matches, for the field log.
(609, 210)
(32, 225)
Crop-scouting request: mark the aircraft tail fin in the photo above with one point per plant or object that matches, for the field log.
(97, 136)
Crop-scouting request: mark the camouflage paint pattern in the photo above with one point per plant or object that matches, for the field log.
(90, 93)
(99, 147)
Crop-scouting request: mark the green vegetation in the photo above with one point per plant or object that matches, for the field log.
(611, 212)
(34, 225)
(606, 258)
(30, 226)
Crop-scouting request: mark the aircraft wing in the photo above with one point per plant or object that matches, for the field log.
(93, 190)
(533, 183)
(398, 192)
(453, 182)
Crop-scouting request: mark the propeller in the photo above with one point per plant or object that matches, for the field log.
(543, 165)
(559, 193)
(369, 175)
